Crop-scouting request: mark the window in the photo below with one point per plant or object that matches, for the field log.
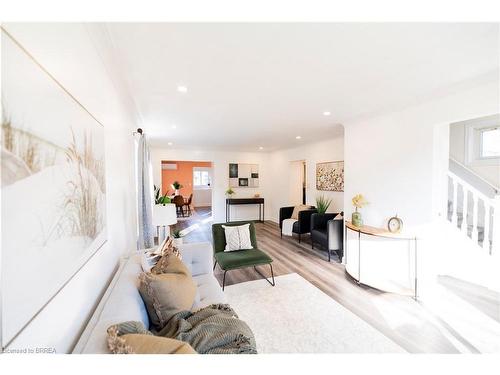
(490, 143)
(482, 141)
(201, 178)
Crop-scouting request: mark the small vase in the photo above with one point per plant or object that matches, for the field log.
(176, 192)
(356, 219)
(178, 242)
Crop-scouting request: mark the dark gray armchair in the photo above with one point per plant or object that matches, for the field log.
(303, 225)
(329, 233)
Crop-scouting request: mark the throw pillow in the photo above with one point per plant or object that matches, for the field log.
(237, 237)
(166, 245)
(297, 209)
(161, 263)
(145, 344)
(167, 293)
(149, 260)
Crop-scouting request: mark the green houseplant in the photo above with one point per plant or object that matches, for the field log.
(322, 204)
(359, 202)
(177, 235)
(176, 185)
(161, 199)
(230, 192)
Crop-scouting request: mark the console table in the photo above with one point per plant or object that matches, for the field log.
(239, 201)
(383, 233)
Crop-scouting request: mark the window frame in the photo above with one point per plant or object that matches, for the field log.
(481, 133)
(473, 141)
(202, 171)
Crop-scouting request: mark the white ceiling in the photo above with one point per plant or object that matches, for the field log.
(252, 85)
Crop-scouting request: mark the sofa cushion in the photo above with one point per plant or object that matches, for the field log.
(167, 293)
(243, 258)
(121, 302)
(145, 344)
(208, 292)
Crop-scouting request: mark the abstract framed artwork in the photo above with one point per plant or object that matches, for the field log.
(52, 185)
(243, 175)
(330, 176)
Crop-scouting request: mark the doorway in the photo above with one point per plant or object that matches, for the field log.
(297, 182)
(192, 180)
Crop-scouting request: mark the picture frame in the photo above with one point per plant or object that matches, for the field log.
(330, 176)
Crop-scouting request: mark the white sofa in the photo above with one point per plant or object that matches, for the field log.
(122, 301)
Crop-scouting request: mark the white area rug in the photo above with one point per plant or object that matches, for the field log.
(296, 317)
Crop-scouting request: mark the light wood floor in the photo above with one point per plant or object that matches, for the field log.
(405, 321)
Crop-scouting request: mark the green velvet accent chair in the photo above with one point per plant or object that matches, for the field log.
(232, 260)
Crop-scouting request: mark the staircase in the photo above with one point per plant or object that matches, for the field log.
(474, 213)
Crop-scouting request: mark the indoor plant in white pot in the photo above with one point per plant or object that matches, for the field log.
(176, 186)
(177, 234)
(230, 192)
(322, 204)
(164, 214)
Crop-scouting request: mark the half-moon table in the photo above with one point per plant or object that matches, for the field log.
(382, 233)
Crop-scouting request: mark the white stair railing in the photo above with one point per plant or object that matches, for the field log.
(479, 223)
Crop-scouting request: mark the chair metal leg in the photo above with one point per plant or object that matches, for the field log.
(312, 243)
(224, 280)
(272, 274)
(329, 254)
(299, 237)
(215, 265)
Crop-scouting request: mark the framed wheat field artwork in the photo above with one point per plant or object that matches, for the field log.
(53, 187)
(330, 176)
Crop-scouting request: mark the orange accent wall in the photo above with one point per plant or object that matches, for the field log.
(183, 174)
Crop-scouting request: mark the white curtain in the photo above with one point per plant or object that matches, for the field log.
(144, 195)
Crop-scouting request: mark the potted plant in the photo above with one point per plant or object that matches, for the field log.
(176, 186)
(359, 202)
(164, 213)
(322, 204)
(177, 234)
(230, 192)
(161, 199)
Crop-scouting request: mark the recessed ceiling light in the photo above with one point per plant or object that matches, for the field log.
(326, 113)
(174, 126)
(298, 137)
(182, 89)
(170, 143)
(261, 148)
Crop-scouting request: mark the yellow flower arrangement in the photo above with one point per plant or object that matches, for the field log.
(359, 201)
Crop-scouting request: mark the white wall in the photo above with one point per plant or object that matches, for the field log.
(282, 174)
(390, 159)
(399, 163)
(220, 177)
(68, 53)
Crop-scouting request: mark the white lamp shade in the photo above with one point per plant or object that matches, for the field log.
(164, 214)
